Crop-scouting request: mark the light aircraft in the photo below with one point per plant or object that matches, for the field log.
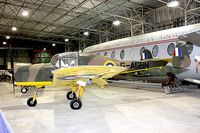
(180, 44)
(72, 68)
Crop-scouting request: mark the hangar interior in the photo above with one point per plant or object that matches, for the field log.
(32, 31)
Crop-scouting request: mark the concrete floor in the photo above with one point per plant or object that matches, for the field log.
(111, 110)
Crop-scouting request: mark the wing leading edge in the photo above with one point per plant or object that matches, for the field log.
(98, 74)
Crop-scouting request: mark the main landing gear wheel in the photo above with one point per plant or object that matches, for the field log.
(24, 89)
(76, 104)
(31, 103)
(71, 95)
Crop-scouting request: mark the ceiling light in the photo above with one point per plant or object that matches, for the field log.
(44, 49)
(116, 22)
(25, 13)
(7, 37)
(4, 43)
(66, 40)
(86, 33)
(173, 3)
(53, 44)
(14, 28)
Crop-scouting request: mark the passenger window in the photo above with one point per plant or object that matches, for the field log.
(122, 53)
(113, 54)
(142, 50)
(155, 51)
(105, 54)
(170, 49)
(190, 47)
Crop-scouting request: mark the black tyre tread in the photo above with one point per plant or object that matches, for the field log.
(68, 95)
(72, 103)
(31, 104)
(23, 89)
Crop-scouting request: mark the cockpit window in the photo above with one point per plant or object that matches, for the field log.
(65, 59)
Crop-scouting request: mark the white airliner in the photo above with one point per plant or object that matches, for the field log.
(161, 44)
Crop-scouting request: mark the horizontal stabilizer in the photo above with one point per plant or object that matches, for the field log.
(196, 81)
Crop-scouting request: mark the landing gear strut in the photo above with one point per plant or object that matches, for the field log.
(76, 103)
(32, 101)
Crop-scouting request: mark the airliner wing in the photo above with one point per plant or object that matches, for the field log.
(140, 70)
(191, 37)
(196, 81)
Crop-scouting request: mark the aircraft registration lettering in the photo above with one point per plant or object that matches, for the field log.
(139, 65)
(135, 65)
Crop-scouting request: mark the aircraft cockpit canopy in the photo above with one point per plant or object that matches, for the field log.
(65, 59)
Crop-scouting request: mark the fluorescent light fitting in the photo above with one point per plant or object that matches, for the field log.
(4, 43)
(66, 40)
(14, 28)
(174, 3)
(53, 44)
(117, 22)
(86, 33)
(7, 37)
(24, 13)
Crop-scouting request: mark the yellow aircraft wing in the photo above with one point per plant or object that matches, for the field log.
(98, 74)
(37, 84)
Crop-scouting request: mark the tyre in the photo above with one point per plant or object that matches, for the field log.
(76, 104)
(24, 89)
(71, 95)
(31, 103)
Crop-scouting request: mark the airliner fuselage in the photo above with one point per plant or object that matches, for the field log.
(162, 45)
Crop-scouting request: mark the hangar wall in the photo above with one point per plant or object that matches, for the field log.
(22, 56)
